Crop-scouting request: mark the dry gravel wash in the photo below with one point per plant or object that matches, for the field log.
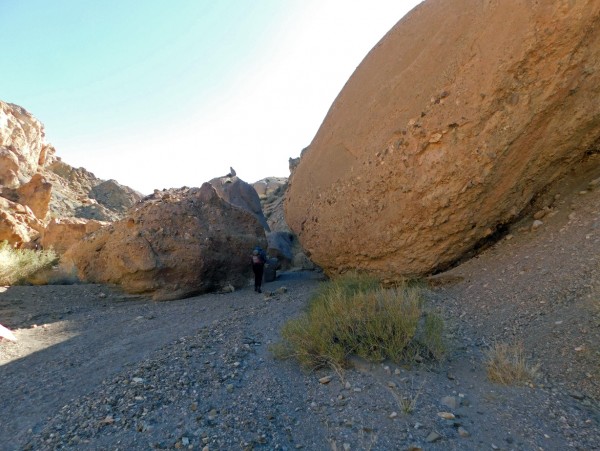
(115, 372)
(118, 372)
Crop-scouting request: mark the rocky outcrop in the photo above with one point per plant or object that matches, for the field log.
(61, 234)
(176, 243)
(283, 244)
(241, 194)
(35, 194)
(34, 182)
(271, 192)
(114, 196)
(18, 224)
(451, 125)
(78, 193)
(23, 149)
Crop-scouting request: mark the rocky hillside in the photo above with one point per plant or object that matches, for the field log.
(459, 118)
(37, 187)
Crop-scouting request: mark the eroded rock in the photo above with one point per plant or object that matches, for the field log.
(447, 130)
(241, 194)
(61, 234)
(176, 243)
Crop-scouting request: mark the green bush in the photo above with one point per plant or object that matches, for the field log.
(354, 315)
(16, 265)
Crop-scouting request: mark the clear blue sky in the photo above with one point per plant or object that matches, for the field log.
(160, 94)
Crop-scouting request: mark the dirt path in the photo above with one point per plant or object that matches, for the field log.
(71, 338)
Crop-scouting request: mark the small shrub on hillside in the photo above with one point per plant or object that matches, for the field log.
(16, 265)
(506, 364)
(355, 316)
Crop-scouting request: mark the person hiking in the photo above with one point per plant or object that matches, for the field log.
(258, 266)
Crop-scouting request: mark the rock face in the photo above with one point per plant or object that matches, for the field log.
(18, 224)
(36, 194)
(79, 193)
(34, 182)
(283, 243)
(176, 243)
(271, 192)
(451, 125)
(61, 234)
(23, 150)
(241, 194)
(114, 196)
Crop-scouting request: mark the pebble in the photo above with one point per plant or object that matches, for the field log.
(576, 395)
(325, 380)
(463, 432)
(446, 415)
(433, 437)
(393, 415)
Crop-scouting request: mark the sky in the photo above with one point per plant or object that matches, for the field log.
(163, 94)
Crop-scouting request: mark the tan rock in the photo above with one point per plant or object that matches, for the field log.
(176, 243)
(24, 155)
(9, 168)
(61, 234)
(36, 195)
(21, 139)
(397, 184)
(18, 224)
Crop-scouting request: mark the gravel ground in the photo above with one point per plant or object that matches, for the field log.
(94, 369)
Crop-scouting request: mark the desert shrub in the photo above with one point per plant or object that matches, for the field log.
(16, 265)
(354, 315)
(506, 364)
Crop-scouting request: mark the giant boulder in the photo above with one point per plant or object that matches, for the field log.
(174, 244)
(447, 130)
(241, 194)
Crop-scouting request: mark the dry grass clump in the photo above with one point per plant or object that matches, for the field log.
(353, 315)
(16, 265)
(506, 364)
